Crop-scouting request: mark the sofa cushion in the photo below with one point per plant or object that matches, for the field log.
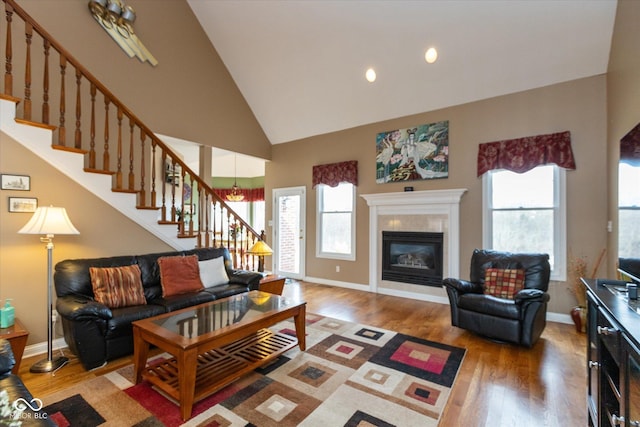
(503, 282)
(177, 302)
(117, 286)
(213, 272)
(179, 275)
(72, 276)
(226, 290)
(489, 305)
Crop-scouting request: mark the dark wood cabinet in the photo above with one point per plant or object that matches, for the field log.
(613, 358)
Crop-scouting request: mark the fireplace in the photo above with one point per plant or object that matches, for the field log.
(412, 257)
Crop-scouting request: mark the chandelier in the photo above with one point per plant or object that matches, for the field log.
(235, 195)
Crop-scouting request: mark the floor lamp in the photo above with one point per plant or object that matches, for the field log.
(49, 221)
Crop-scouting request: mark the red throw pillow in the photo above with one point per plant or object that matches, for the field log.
(503, 283)
(117, 286)
(179, 275)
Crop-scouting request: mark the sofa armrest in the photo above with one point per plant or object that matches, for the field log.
(251, 279)
(527, 295)
(75, 307)
(463, 286)
(7, 360)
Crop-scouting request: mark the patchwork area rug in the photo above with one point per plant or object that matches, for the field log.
(350, 375)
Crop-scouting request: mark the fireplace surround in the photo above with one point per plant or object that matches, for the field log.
(433, 211)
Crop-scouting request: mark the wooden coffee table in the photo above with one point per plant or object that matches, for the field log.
(214, 344)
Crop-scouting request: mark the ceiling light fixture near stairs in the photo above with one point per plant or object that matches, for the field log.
(235, 195)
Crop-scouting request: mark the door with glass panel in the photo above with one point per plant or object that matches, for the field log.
(289, 231)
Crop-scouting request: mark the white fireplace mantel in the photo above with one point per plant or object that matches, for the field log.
(430, 197)
(443, 203)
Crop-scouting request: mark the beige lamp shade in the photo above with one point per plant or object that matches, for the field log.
(260, 248)
(49, 220)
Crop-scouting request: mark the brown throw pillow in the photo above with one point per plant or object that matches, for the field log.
(179, 275)
(117, 286)
(503, 282)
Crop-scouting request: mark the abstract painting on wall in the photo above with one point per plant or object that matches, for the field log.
(410, 154)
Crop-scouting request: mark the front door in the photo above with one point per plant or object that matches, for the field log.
(289, 231)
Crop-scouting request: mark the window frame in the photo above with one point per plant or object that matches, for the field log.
(351, 256)
(559, 269)
(625, 207)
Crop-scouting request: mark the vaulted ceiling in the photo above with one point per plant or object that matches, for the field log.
(300, 64)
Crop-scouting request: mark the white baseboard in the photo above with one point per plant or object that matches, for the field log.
(41, 348)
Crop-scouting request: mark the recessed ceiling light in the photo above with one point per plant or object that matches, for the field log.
(431, 55)
(370, 75)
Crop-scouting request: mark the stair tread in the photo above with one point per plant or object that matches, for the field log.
(36, 124)
(101, 171)
(69, 149)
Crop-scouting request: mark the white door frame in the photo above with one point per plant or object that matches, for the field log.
(301, 237)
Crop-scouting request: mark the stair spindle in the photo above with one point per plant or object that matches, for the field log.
(8, 77)
(132, 184)
(119, 151)
(27, 73)
(105, 154)
(45, 83)
(61, 128)
(78, 133)
(142, 194)
(92, 134)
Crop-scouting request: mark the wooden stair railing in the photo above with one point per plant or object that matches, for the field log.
(144, 165)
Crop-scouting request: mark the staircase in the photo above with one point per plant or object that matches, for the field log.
(108, 150)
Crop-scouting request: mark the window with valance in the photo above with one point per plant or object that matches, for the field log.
(334, 173)
(630, 147)
(523, 154)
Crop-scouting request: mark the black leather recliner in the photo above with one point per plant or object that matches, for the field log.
(520, 320)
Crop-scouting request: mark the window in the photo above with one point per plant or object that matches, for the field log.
(336, 221)
(527, 213)
(628, 211)
(251, 212)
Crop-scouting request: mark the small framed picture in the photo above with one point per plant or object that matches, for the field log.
(23, 204)
(15, 182)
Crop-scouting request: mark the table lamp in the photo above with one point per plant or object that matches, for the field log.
(260, 249)
(49, 221)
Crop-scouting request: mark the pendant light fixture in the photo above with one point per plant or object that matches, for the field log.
(235, 195)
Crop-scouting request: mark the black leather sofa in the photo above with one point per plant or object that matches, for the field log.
(16, 389)
(96, 333)
(520, 320)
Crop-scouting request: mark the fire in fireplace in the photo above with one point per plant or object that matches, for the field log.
(412, 257)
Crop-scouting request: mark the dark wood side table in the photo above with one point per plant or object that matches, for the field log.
(17, 336)
(272, 283)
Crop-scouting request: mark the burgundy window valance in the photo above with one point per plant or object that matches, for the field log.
(250, 194)
(335, 173)
(630, 147)
(523, 154)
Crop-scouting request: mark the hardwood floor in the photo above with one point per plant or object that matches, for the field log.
(498, 384)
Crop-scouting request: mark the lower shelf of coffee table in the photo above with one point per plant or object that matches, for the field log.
(222, 366)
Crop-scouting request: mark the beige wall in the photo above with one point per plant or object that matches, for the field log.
(188, 95)
(23, 259)
(577, 106)
(623, 103)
